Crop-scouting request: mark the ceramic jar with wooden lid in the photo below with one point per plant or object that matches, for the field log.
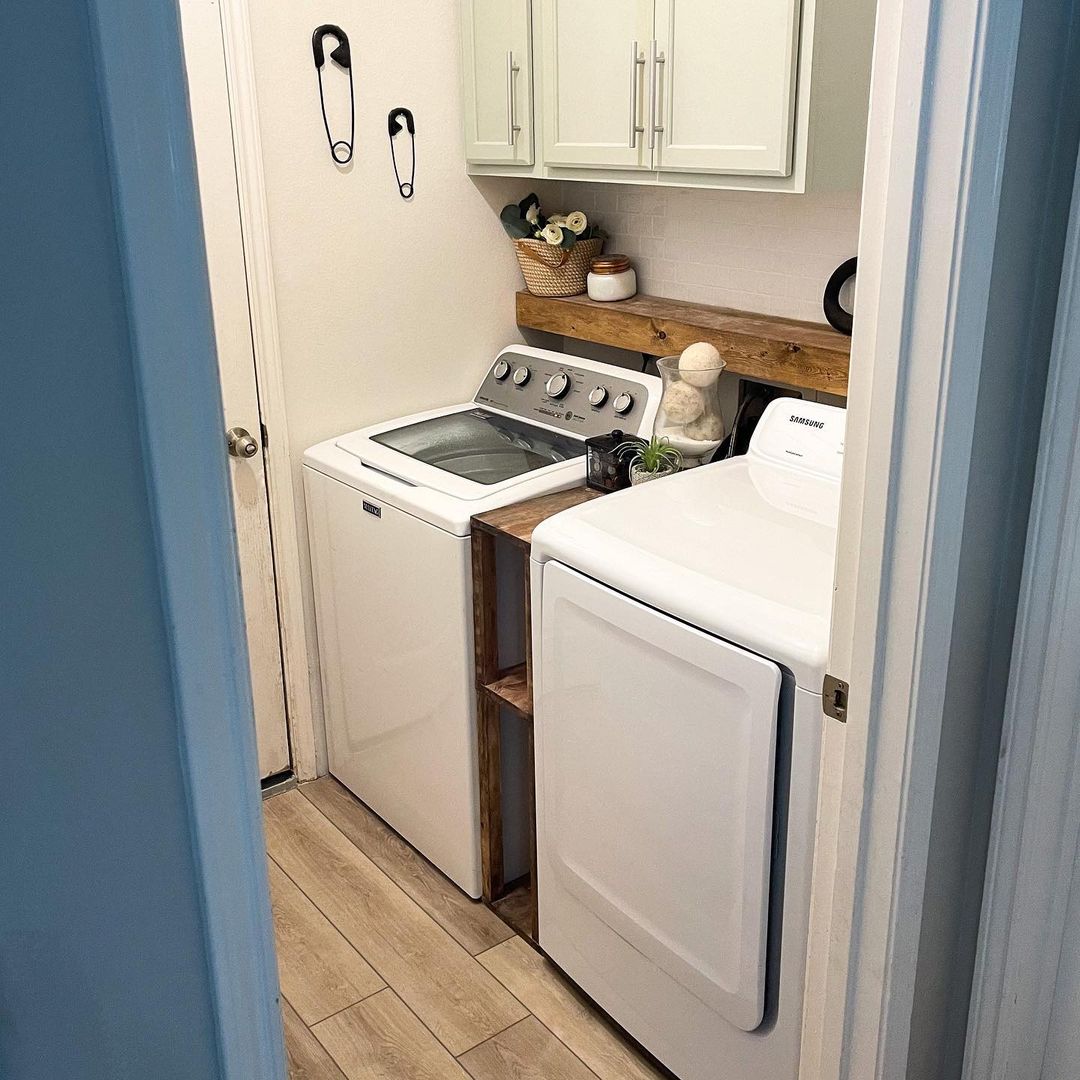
(611, 277)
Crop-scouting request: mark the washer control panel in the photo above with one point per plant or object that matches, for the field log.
(583, 397)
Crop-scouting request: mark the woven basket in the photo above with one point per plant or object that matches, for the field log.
(552, 271)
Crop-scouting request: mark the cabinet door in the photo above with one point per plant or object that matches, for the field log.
(594, 82)
(725, 91)
(497, 62)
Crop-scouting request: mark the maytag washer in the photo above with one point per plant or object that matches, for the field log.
(389, 509)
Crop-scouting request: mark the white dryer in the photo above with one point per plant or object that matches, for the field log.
(389, 510)
(680, 636)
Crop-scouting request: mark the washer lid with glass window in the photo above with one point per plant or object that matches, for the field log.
(480, 446)
(448, 464)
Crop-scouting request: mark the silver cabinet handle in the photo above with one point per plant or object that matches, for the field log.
(512, 128)
(635, 61)
(657, 60)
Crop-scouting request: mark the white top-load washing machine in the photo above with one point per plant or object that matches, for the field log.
(389, 508)
(680, 632)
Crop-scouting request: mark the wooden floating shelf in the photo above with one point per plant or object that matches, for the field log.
(800, 354)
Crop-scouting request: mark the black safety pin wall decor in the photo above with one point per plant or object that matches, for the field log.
(341, 150)
(393, 126)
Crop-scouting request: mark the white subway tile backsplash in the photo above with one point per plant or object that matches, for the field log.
(657, 269)
(692, 273)
(659, 225)
(756, 251)
(701, 294)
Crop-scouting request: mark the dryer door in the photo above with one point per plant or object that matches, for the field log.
(655, 766)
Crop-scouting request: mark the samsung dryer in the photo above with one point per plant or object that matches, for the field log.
(680, 637)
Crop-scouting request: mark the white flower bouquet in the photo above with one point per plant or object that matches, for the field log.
(554, 252)
(525, 220)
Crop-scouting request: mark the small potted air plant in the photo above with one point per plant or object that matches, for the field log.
(649, 459)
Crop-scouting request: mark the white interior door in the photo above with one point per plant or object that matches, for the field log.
(655, 771)
(726, 88)
(211, 123)
(497, 62)
(594, 83)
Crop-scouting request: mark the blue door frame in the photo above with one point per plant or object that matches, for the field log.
(135, 929)
(148, 133)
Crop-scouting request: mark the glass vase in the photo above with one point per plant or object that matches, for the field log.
(689, 416)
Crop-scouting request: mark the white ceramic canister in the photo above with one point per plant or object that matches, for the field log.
(611, 277)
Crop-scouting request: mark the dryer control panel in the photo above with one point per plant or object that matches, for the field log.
(802, 434)
(579, 396)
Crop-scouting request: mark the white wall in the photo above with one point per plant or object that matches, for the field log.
(755, 251)
(384, 307)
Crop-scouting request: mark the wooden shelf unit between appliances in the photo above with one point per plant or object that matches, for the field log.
(498, 687)
(801, 354)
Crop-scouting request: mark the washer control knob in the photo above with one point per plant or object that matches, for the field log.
(501, 370)
(623, 403)
(558, 384)
(597, 396)
(521, 376)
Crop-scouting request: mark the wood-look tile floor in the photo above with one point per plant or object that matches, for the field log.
(389, 972)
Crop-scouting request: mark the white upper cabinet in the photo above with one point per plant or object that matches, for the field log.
(593, 75)
(724, 93)
(497, 55)
(763, 95)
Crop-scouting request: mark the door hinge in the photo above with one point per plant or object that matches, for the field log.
(265, 436)
(834, 695)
